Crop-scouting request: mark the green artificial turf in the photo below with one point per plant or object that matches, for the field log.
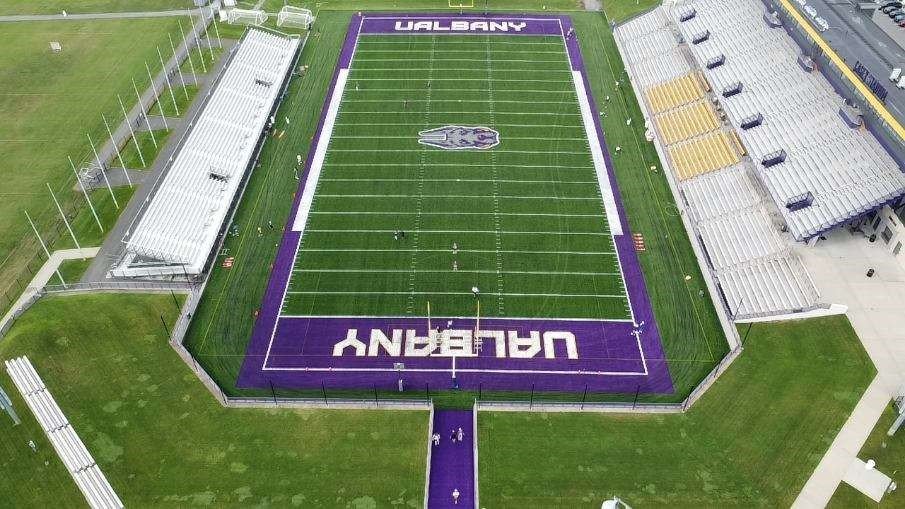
(163, 440)
(691, 333)
(889, 453)
(177, 103)
(49, 103)
(146, 143)
(523, 221)
(751, 441)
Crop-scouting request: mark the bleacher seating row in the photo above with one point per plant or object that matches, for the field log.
(751, 261)
(676, 92)
(686, 122)
(846, 171)
(69, 447)
(703, 154)
(179, 227)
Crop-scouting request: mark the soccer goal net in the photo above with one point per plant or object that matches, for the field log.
(243, 17)
(294, 17)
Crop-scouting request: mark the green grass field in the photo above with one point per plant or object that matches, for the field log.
(526, 217)
(163, 440)
(9, 7)
(146, 143)
(889, 453)
(177, 104)
(751, 441)
(692, 336)
(49, 102)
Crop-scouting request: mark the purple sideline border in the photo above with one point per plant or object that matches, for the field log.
(614, 351)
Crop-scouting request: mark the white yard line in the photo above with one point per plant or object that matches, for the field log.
(601, 233)
(464, 165)
(505, 181)
(460, 196)
(395, 250)
(464, 271)
(455, 213)
(539, 113)
(546, 295)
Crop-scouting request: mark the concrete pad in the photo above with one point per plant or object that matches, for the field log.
(868, 481)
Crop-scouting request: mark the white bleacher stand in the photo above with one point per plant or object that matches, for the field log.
(735, 222)
(69, 447)
(178, 229)
(846, 171)
(295, 17)
(243, 16)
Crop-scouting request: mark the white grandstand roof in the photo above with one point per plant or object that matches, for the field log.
(846, 170)
(180, 224)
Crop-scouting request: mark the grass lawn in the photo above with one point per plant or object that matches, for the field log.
(751, 441)
(162, 439)
(183, 96)
(692, 336)
(71, 270)
(149, 150)
(85, 225)
(622, 10)
(82, 6)
(889, 453)
(199, 57)
(48, 103)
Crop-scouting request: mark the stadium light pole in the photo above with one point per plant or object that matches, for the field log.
(207, 37)
(188, 53)
(116, 148)
(181, 78)
(157, 97)
(166, 77)
(198, 43)
(65, 221)
(216, 29)
(44, 246)
(103, 172)
(131, 131)
(144, 113)
(84, 192)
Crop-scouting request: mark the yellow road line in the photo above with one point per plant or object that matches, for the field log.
(872, 99)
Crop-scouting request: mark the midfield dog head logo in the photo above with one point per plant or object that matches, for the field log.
(456, 137)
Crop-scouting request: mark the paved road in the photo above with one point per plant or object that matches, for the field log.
(101, 15)
(856, 38)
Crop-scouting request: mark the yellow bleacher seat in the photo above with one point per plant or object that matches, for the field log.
(687, 122)
(703, 154)
(673, 93)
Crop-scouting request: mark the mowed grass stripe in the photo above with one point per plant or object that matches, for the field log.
(556, 253)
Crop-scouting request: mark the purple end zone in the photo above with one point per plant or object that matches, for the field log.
(517, 354)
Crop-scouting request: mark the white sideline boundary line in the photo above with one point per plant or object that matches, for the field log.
(463, 271)
(606, 192)
(445, 317)
(320, 153)
(504, 294)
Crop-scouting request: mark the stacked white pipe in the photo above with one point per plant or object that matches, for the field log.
(69, 447)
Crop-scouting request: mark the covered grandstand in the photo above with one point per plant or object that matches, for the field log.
(737, 227)
(176, 232)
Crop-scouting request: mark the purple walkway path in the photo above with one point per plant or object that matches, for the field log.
(452, 464)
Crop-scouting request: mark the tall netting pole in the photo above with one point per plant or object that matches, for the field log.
(84, 192)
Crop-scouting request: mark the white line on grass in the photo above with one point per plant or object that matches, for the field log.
(541, 113)
(395, 213)
(440, 122)
(397, 150)
(481, 251)
(463, 165)
(450, 69)
(507, 294)
(464, 271)
(407, 78)
(482, 101)
(474, 90)
(413, 138)
(600, 233)
(468, 196)
(505, 181)
(496, 60)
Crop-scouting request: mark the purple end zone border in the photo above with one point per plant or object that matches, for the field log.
(613, 358)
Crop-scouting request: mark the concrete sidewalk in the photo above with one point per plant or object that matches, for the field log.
(43, 276)
(838, 266)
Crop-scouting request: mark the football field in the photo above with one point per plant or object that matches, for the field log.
(397, 223)
(457, 219)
